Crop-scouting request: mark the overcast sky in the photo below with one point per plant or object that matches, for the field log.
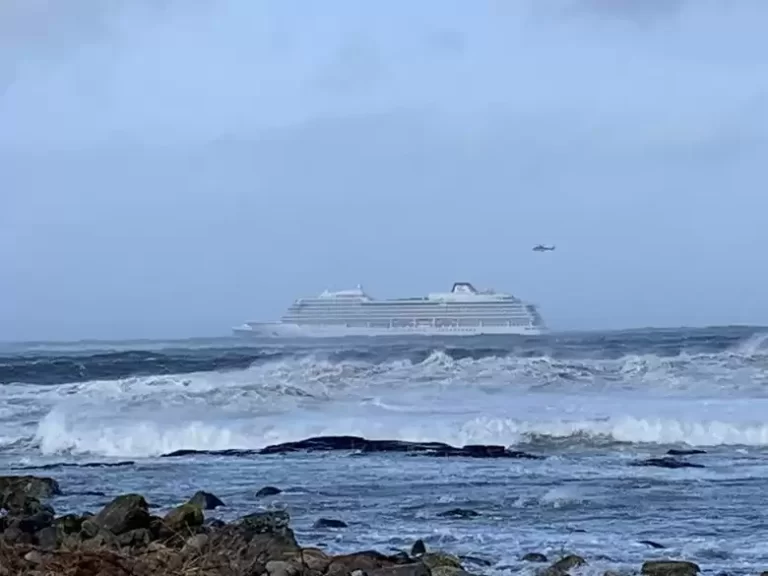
(173, 168)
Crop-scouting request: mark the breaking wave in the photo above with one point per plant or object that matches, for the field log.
(703, 388)
(60, 433)
(57, 365)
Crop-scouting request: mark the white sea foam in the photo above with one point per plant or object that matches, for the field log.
(584, 499)
(701, 399)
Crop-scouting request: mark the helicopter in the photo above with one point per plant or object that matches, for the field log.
(543, 248)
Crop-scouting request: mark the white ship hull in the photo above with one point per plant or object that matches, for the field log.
(461, 312)
(284, 330)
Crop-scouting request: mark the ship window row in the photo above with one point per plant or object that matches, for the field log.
(408, 313)
(415, 309)
(408, 319)
(405, 323)
(289, 318)
(405, 304)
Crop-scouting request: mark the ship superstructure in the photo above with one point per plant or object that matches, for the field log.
(463, 310)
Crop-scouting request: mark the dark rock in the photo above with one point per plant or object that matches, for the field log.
(666, 462)
(319, 443)
(266, 522)
(314, 559)
(237, 452)
(475, 560)
(101, 540)
(257, 538)
(282, 568)
(330, 523)
(205, 500)
(15, 535)
(139, 538)
(684, 452)
(268, 491)
(159, 529)
(669, 568)
(36, 522)
(410, 569)
(48, 538)
(437, 559)
(20, 504)
(418, 548)
(184, 518)
(566, 563)
(534, 557)
(259, 544)
(69, 523)
(367, 561)
(266, 547)
(400, 557)
(59, 465)
(214, 522)
(357, 443)
(124, 513)
(448, 571)
(458, 513)
(34, 486)
(89, 528)
(483, 451)
(652, 544)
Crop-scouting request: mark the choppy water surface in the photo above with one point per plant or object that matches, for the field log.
(591, 403)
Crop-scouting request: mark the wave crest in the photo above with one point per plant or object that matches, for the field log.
(50, 367)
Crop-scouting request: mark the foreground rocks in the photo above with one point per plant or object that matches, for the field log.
(125, 538)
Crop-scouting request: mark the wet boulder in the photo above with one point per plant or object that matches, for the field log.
(458, 513)
(329, 523)
(268, 491)
(266, 522)
(124, 513)
(69, 523)
(48, 538)
(534, 557)
(314, 559)
(564, 565)
(205, 500)
(39, 487)
(418, 548)
(669, 568)
(184, 518)
(410, 569)
(20, 504)
(138, 538)
(366, 561)
(436, 559)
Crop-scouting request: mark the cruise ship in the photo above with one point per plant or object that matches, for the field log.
(461, 311)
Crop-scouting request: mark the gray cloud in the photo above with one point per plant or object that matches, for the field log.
(175, 168)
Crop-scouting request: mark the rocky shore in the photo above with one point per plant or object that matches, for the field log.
(125, 538)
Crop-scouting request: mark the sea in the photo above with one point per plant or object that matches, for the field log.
(99, 417)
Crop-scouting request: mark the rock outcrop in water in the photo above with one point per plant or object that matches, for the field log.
(667, 462)
(364, 446)
(124, 538)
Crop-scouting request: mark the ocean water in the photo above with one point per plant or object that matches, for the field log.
(591, 403)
